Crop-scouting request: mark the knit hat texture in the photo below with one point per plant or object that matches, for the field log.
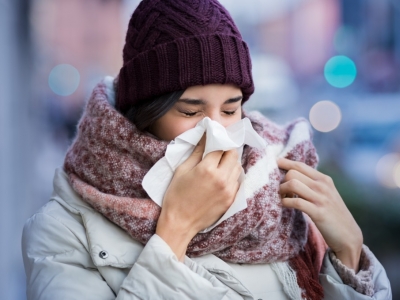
(174, 44)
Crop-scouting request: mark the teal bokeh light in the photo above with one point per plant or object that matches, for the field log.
(340, 71)
(64, 79)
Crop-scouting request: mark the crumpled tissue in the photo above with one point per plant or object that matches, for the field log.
(235, 136)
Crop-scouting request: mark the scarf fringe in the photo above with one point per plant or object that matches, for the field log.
(287, 276)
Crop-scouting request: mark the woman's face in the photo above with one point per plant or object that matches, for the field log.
(219, 102)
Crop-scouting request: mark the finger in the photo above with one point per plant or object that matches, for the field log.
(294, 174)
(229, 160)
(300, 204)
(234, 174)
(297, 187)
(196, 156)
(234, 187)
(213, 158)
(287, 164)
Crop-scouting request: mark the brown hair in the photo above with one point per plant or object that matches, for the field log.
(144, 114)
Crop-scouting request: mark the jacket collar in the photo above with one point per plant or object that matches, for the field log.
(102, 235)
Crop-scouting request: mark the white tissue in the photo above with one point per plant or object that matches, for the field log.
(157, 179)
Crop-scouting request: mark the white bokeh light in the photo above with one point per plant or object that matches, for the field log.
(396, 174)
(325, 116)
(388, 170)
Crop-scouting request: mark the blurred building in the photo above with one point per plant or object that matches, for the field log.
(371, 33)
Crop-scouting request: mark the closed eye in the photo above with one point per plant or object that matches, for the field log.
(188, 113)
(230, 112)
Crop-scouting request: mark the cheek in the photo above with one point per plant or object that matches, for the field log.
(232, 120)
(170, 130)
(180, 126)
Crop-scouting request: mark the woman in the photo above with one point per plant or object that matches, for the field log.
(101, 237)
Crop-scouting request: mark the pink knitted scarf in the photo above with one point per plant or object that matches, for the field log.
(109, 158)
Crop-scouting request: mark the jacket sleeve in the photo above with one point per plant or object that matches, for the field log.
(340, 282)
(158, 273)
(58, 266)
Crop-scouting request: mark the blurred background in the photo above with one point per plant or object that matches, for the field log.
(334, 62)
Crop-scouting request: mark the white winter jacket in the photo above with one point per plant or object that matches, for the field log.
(71, 251)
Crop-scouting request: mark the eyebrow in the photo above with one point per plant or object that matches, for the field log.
(202, 102)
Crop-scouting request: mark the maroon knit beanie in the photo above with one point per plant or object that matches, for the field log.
(174, 44)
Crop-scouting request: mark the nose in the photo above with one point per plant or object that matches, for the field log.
(215, 116)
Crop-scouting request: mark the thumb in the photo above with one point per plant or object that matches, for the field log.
(197, 154)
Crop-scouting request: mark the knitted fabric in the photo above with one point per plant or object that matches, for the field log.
(361, 281)
(109, 158)
(174, 44)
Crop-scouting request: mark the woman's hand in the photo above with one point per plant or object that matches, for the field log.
(315, 194)
(200, 192)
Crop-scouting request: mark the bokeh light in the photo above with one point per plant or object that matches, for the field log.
(325, 116)
(64, 79)
(340, 71)
(396, 174)
(388, 170)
